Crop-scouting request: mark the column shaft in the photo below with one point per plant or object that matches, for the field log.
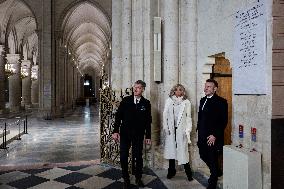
(26, 83)
(126, 45)
(171, 44)
(116, 76)
(2, 78)
(14, 83)
(35, 87)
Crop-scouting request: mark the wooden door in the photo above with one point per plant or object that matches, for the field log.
(222, 73)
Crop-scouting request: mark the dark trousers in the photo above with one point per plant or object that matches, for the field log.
(172, 167)
(137, 161)
(210, 156)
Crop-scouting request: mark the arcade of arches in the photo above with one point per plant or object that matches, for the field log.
(55, 54)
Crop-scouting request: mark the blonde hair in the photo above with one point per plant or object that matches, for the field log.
(174, 88)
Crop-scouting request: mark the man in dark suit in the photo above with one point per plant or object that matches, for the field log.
(133, 123)
(212, 120)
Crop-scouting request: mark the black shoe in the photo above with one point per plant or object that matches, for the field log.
(189, 178)
(188, 172)
(211, 187)
(171, 173)
(126, 185)
(139, 183)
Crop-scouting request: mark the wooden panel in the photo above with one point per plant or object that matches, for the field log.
(278, 58)
(278, 76)
(278, 26)
(277, 101)
(278, 7)
(222, 66)
(278, 43)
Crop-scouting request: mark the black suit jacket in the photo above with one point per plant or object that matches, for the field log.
(133, 119)
(212, 120)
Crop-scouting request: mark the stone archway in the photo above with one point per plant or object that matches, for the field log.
(19, 26)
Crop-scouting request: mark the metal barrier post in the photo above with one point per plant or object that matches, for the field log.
(4, 145)
(26, 121)
(19, 125)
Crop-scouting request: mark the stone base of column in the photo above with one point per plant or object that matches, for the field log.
(59, 111)
(15, 109)
(46, 114)
(35, 105)
(26, 105)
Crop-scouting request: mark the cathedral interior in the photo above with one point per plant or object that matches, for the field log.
(66, 64)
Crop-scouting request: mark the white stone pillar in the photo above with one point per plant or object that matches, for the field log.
(126, 45)
(14, 82)
(188, 63)
(137, 39)
(34, 86)
(116, 76)
(26, 83)
(2, 78)
(171, 44)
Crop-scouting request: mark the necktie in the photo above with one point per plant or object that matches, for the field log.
(204, 103)
(136, 101)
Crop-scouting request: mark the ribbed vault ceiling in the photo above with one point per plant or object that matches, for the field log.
(17, 20)
(87, 33)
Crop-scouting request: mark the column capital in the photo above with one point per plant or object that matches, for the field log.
(13, 58)
(26, 63)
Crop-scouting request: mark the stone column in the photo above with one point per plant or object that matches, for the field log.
(26, 84)
(34, 87)
(14, 83)
(171, 44)
(126, 45)
(116, 76)
(2, 78)
(188, 54)
(138, 8)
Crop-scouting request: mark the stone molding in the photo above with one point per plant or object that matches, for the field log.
(26, 63)
(2, 50)
(13, 58)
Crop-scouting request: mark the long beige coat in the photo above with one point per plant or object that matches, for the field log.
(177, 149)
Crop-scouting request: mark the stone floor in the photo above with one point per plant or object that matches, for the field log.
(72, 138)
(64, 153)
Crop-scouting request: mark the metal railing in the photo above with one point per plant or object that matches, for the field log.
(8, 124)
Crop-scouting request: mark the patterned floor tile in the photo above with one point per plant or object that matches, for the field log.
(12, 176)
(148, 178)
(51, 185)
(27, 182)
(73, 187)
(54, 173)
(94, 170)
(35, 171)
(75, 168)
(157, 183)
(116, 184)
(95, 182)
(114, 174)
(4, 186)
(73, 178)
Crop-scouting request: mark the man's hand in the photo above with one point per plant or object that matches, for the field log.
(148, 141)
(211, 140)
(116, 137)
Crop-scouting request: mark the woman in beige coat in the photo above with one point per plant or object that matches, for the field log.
(177, 125)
